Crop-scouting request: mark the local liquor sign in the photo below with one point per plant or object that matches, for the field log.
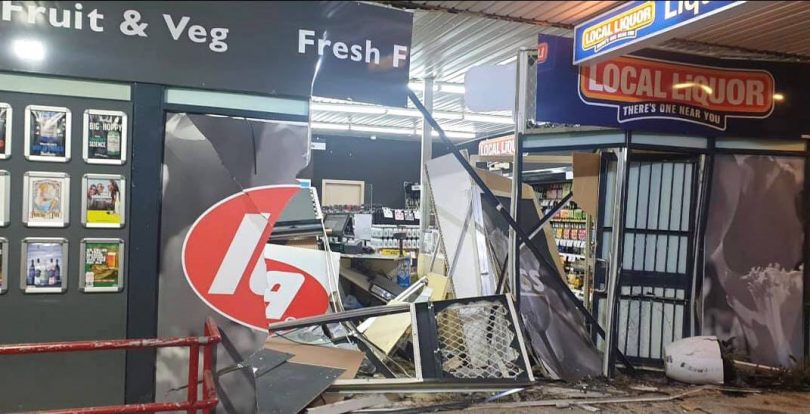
(345, 50)
(672, 93)
(637, 24)
(497, 146)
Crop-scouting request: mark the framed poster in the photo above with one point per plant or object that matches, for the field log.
(43, 264)
(5, 130)
(47, 133)
(102, 264)
(3, 265)
(105, 137)
(5, 197)
(103, 200)
(46, 199)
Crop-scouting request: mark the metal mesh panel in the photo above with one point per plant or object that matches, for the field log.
(478, 340)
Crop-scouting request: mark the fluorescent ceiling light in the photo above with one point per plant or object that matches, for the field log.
(441, 87)
(453, 134)
(450, 88)
(403, 112)
(28, 49)
(334, 127)
(358, 109)
(494, 119)
(447, 115)
(383, 130)
(508, 61)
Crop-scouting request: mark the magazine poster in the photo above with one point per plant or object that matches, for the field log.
(101, 265)
(105, 139)
(46, 199)
(103, 202)
(44, 269)
(3, 265)
(5, 197)
(47, 133)
(5, 131)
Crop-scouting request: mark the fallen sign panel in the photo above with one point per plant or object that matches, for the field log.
(470, 340)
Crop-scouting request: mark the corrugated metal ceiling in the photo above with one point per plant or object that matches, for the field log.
(453, 36)
(781, 28)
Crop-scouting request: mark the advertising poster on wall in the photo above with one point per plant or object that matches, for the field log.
(103, 202)
(753, 284)
(207, 149)
(47, 133)
(46, 202)
(3, 265)
(5, 131)
(101, 265)
(43, 265)
(5, 197)
(105, 137)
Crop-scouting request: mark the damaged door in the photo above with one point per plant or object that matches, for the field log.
(656, 278)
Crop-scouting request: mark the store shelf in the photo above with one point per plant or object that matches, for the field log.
(573, 256)
(568, 221)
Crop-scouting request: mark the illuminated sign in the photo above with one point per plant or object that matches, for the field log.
(629, 27)
(646, 88)
(671, 93)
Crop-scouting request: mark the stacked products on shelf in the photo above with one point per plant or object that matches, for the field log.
(382, 236)
(570, 229)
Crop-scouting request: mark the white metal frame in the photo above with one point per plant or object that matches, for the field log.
(86, 137)
(9, 118)
(65, 199)
(122, 185)
(83, 260)
(68, 125)
(24, 265)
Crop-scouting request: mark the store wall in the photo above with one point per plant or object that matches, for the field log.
(384, 164)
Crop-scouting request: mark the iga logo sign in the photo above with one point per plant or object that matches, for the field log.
(224, 262)
(642, 88)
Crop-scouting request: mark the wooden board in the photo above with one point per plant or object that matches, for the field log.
(325, 356)
(386, 331)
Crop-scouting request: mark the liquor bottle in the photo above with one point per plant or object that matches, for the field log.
(32, 274)
(113, 144)
(51, 274)
(57, 273)
(40, 274)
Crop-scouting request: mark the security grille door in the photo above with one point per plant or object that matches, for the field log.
(656, 278)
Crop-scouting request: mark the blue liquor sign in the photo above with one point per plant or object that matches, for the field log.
(639, 24)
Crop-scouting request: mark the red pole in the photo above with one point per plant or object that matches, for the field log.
(193, 375)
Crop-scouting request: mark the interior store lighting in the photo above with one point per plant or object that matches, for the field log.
(455, 134)
(410, 112)
(357, 109)
(508, 61)
(403, 112)
(382, 130)
(494, 119)
(447, 115)
(448, 88)
(441, 87)
(328, 126)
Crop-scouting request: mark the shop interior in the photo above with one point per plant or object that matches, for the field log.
(339, 234)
